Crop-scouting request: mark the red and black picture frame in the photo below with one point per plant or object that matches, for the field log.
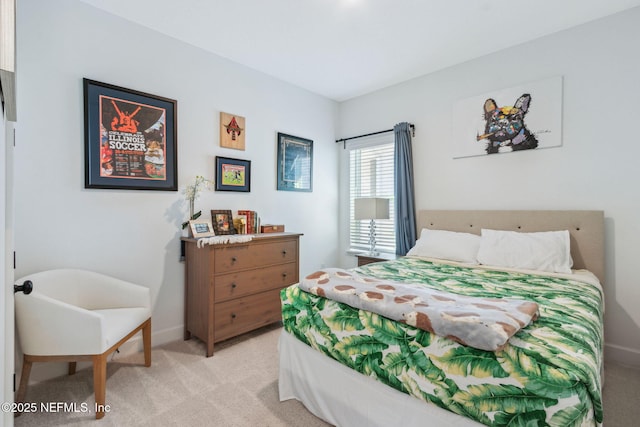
(130, 139)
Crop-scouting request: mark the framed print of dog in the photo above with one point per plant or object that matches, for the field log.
(520, 118)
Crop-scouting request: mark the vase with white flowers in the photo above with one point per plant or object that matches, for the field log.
(192, 192)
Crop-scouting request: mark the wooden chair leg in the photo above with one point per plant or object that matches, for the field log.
(24, 381)
(72, 368)
(146, 340)
(100, 383)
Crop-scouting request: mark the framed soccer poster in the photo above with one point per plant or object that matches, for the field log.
(130, 139)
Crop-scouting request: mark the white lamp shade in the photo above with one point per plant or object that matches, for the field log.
(371, 208)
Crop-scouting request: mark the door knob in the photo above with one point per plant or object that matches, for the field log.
(26, 287)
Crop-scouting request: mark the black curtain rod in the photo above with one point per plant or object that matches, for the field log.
(344, 140)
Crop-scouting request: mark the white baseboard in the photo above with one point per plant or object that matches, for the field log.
(622, 355)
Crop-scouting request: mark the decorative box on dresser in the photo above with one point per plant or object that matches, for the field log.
(233, 288)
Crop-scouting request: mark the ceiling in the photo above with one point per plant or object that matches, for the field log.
(345, 48)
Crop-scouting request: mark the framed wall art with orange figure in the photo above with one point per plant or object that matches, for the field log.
(232, 131)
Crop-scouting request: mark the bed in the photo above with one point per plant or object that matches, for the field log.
(350, 366)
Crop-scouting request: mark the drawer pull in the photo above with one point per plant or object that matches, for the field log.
(284, 252)
(233, 286)
(233, 259)
(233, 315)
(284, 275)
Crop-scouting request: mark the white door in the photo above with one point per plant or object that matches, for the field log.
(7, 70)
(6, 270)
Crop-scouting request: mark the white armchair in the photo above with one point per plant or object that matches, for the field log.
(74, 315)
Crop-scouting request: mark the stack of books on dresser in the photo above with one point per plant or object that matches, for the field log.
(251, 222)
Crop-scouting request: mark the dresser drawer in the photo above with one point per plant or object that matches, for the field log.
(241, 257)
(244, 314)
(234, 285)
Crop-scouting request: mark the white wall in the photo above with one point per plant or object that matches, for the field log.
(134, 235)
(596, 167)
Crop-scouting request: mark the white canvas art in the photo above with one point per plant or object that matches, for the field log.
(523, 117)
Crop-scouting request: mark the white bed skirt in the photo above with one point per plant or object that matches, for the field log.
(344, 397)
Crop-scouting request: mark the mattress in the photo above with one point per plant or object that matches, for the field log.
(547, 374)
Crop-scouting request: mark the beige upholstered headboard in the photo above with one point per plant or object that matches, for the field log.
(585, 227)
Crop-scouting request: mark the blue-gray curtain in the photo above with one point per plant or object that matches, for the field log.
(405, 201)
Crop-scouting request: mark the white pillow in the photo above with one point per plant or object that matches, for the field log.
(546, 251)
(448, 245)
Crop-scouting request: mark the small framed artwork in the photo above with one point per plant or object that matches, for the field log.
(201, 228)
(130, 139)
(295, 163)
(233, 174)
(222, 222)
(232, 131)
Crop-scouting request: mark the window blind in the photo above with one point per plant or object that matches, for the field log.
(371, 175)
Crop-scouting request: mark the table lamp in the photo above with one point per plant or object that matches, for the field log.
(371, 208)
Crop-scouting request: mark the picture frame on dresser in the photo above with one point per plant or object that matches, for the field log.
(222, 221)
(201, 228)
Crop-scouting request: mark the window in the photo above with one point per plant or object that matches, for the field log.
(371, 175)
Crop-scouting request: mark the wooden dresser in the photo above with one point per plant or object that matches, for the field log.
(234, 288)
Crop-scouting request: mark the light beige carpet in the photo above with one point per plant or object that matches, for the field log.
(236, 387)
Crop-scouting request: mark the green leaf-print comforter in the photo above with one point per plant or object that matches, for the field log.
(548, 374)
